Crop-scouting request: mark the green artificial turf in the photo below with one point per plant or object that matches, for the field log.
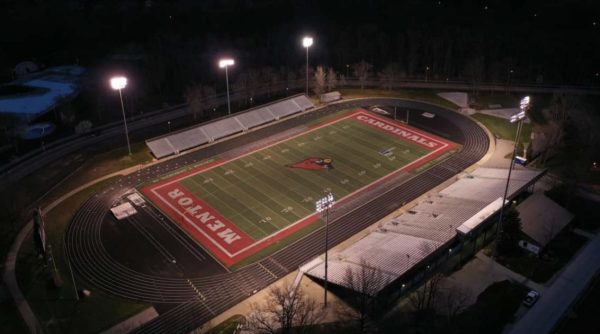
(261, 194)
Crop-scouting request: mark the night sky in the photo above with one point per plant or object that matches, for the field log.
(557, 40)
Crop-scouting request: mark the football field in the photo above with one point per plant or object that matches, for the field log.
(237, 207)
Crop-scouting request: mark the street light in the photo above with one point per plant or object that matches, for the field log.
(519, 117)
(324, 204)
(307, 42)
(224, 63)
(118, 83)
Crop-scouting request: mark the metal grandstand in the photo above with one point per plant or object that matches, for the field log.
(402, 242)
(205, 133)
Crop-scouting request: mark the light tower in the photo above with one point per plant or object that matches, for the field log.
(323, 205)
(224, 63)
(519, 117)
(307, 42)
(118, 83)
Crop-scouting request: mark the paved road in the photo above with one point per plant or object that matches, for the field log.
(218, 292)
(182, 303)
(557, 299)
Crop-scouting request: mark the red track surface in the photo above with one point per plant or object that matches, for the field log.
(228, 243)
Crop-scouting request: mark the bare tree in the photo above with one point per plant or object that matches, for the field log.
(290, 78)
(425, 298)
(343, 81)
(452, 301)
(332, 81)
(209, 93)
(240, 87)
(269, 77)
(254, 82)
(284, 308)
(83, 127)
(388, 76)
(363, 301)
(319, 81)
(362, 71)
(474, 71)
(194, 97)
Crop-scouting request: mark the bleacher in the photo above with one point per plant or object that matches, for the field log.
(403, 241)
(204, 133)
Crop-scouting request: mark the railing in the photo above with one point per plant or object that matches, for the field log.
(28, 163)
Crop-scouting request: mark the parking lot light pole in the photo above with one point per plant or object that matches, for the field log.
(307, 42)
(524, 106)
(323, 205)
(118, 83)
(224, 63)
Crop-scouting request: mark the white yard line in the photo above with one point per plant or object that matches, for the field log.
(383, 178)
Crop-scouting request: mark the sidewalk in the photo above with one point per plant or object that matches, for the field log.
(559, 297)
(9, 276)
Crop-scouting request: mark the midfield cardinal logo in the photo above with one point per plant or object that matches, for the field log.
(313, 164)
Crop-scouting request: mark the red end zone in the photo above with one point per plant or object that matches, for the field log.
(227, 242)
(223, 239)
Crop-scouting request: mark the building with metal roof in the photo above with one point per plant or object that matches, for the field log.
(434, 224)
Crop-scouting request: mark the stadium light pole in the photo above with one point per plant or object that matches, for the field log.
(118, 83)
(224, 63)
(519, 117)
(307, 42)
(323, 205)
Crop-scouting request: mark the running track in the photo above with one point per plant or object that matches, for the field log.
(194, 300)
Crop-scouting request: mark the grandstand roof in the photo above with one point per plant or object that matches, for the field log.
(401, 242)
(208, 132)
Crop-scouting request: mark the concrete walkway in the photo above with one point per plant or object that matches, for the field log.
(10, 278)
(565, 289)
(133, 322)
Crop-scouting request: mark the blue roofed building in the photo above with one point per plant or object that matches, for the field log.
(34, 95)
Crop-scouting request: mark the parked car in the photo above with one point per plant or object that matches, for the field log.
(531, 298)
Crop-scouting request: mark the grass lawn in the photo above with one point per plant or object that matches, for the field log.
(503, 129)
(419, 95)
(56, 307)
(559, 252)
(56, 179)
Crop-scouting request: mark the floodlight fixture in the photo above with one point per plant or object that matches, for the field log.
(118, 83)
(517, 117)
(325, 203)
(307, 42)
(223, 63)
(525, 103)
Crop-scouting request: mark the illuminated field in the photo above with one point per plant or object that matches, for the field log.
(238, 207)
